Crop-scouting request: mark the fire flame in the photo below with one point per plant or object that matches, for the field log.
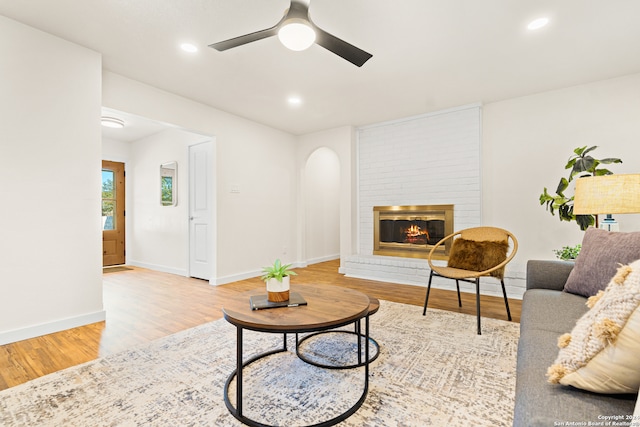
(414, 233)
(414, 230)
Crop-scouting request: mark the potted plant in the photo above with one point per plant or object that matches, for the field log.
(276, 277)
(581, 164)
(568, 253)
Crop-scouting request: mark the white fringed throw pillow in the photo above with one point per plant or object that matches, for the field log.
(602, 353)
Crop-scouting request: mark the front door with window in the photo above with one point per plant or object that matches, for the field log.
(112, 213)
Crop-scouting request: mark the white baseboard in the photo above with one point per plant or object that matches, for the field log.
(156, 267)
(322, 259)
(235, 277)
(51, 327)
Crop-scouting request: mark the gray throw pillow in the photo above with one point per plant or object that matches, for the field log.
(601, 254)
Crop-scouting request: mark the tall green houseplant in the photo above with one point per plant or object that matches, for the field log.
(581, 164)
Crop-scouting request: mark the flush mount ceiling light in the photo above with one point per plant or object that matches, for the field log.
(536, 24)
(188, 47)
(297, 35)
(112, 122)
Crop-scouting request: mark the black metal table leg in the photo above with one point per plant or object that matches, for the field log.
(239, 372)
(478, 304)
(358, 335)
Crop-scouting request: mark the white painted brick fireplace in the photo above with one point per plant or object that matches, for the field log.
(432, 159)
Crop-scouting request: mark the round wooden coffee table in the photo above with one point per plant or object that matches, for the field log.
(328, 307)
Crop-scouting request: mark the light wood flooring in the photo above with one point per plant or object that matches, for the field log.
(143, 305)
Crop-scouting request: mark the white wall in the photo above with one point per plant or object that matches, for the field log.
(120, 151)
(116, 151)
(256, 224)
(159, 235)
(527, 142)
(50, 241)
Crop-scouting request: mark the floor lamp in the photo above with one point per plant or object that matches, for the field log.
(607, 194)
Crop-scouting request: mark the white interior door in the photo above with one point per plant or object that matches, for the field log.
(201, 201)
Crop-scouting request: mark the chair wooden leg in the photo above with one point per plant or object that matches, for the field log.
(478, 303)
(426, 299)
(458, 288)
(506, 301)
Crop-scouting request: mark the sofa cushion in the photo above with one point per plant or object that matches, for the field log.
(602, 252)
(539, 403)
(602, 353)
(544, 314)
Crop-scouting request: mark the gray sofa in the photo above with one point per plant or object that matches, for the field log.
(547, 313)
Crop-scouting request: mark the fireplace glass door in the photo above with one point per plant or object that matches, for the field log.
(411, 231)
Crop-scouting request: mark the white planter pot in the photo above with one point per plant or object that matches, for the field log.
(278, 291)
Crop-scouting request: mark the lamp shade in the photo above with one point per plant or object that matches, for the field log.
(607, 194)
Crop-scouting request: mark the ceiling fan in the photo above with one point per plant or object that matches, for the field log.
(297, 32)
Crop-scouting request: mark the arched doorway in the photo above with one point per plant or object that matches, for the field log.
(322, 205)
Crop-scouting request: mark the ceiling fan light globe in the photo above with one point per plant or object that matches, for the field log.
(297, 36)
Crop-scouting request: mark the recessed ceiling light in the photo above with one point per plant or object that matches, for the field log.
(538, 23)
(188, 47)
(294, 100)
(112, 122)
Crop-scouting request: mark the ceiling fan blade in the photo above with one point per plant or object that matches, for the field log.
(247, 38)
(341, 48)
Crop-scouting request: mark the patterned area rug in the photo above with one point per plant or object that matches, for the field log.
(431, 371)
